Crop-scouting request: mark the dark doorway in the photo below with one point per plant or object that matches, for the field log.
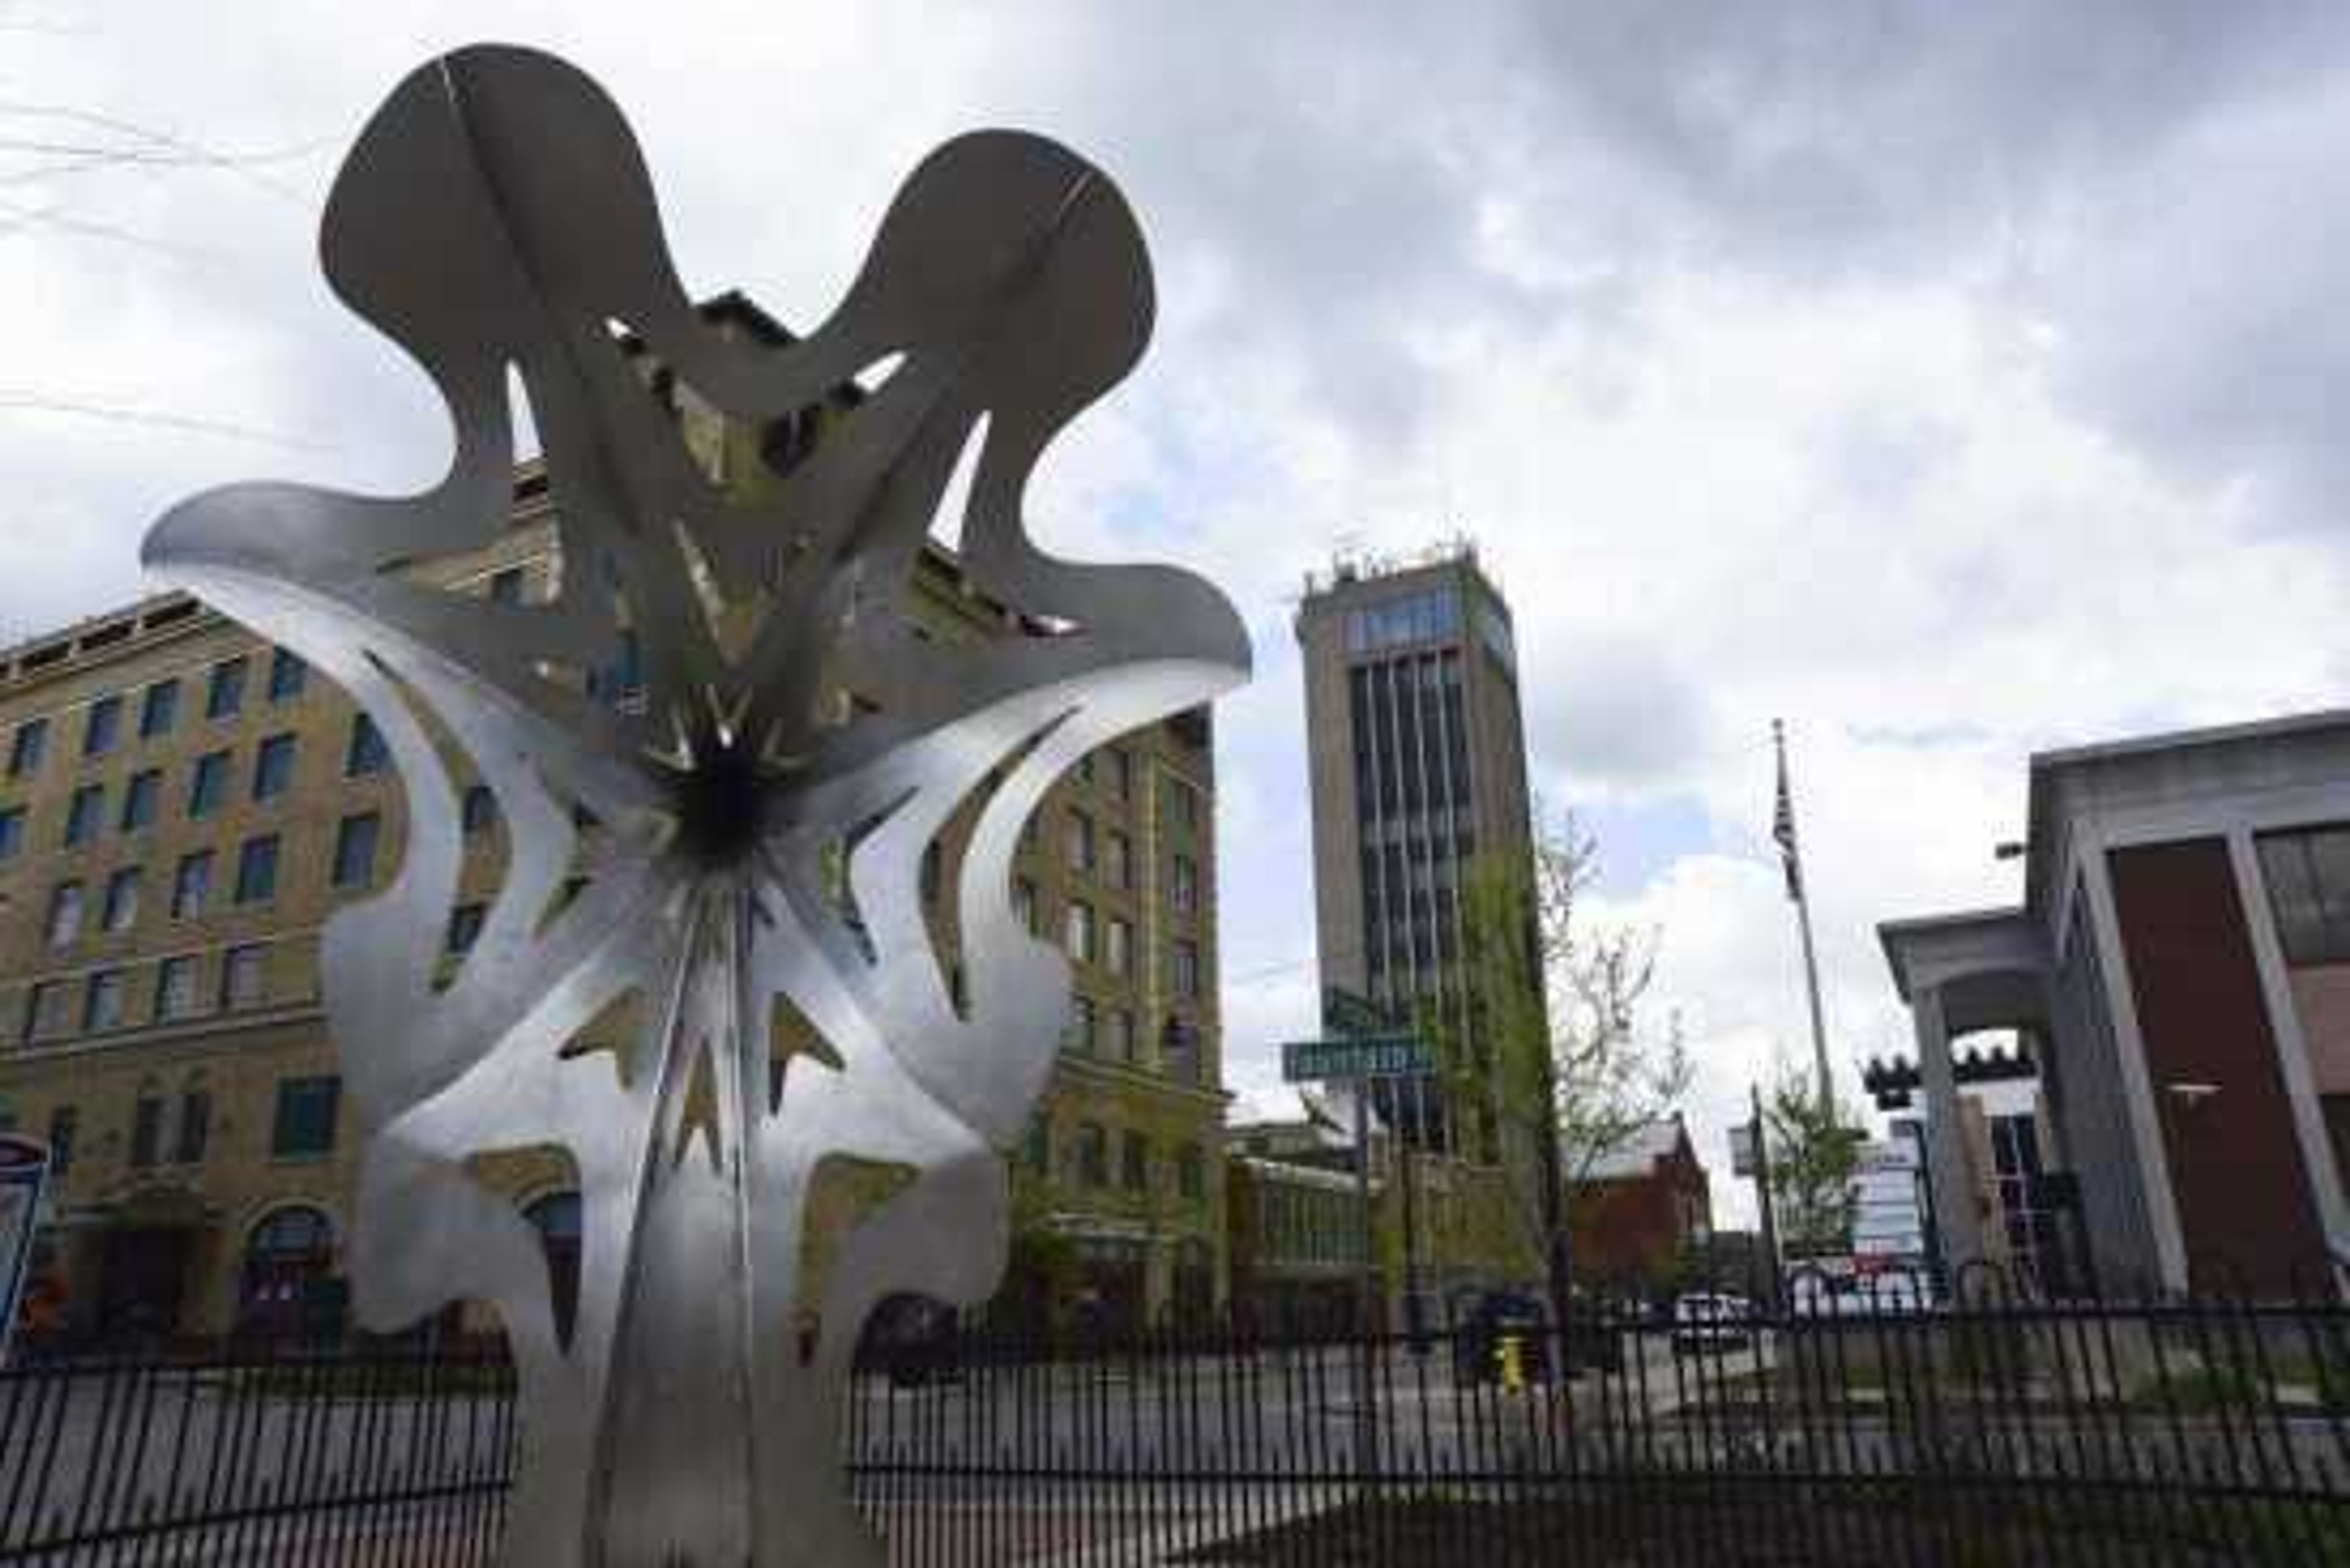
(142, 1276)
(288, 1267)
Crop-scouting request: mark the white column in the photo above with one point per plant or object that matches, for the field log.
(1956, 1219)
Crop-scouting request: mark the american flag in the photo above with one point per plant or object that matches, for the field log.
(1783, 822)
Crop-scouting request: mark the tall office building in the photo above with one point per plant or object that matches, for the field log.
(1417, 751)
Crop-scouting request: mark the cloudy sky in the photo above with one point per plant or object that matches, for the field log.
(1952, 391)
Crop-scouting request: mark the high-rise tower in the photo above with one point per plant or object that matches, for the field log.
(1417, 751)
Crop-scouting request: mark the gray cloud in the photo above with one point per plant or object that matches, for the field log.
(1918, 372)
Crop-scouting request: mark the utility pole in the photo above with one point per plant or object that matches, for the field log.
(1783, 828)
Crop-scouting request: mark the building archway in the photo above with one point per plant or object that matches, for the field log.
(287, 1286)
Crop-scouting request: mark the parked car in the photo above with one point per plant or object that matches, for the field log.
(1865, 1296)
(1711, 1321)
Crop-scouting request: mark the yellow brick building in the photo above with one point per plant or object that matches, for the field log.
(182, 807)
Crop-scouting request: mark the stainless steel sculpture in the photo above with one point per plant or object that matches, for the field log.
(496, 212)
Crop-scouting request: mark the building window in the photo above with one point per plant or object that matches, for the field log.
(244, 976)
(464, 928)
(64, 1123)
(1190, 1171)
(1081, 843)
(175, 987)
(305, 1123)
(11, 831)
(119, 910)
(102, 728)
(1081, 935)
(142, 799)
(1179, 1049)
(272, 767)
(2308, 879)
(288, 675)
(86, 816)
(355, 842)
(48, 1011)
(622, 681)
(1093, 1155)
(208, 785)
(1121, 772)
(1082, 1017)
(479, 812)
(224, 696)
(1023, 904)
(1118, 947)
(147, 1127)
(366, 753)
(102, 1007)
(159, 710)
(1118, 860)
(195, 1126)
(64, 925)
(31, 744)
(191, 885)
(1121, 1033)
(506, 585)
(1185, 981)
(1432, 614)
(1182, 805)
(1134, 1161)
(1183, 885)
(256, 870)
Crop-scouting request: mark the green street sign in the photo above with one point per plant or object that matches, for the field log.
(1358, 1056)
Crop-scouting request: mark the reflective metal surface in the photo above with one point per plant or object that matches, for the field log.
(750, 824)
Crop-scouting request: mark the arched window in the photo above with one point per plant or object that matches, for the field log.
(556, 1219)
(288, 1268)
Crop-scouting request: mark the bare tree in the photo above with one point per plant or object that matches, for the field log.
(1550, 1036)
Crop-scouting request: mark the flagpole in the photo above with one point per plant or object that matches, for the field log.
(1800, 890)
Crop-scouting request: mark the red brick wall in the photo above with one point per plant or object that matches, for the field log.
(1632, 1229)
(2235, 1162)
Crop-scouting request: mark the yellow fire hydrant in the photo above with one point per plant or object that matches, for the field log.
(1510, 1362)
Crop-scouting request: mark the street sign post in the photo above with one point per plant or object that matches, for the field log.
(1362, 1043)
(24, 1172)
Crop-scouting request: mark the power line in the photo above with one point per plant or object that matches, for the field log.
(18, 402)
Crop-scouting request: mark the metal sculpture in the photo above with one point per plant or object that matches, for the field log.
(740, 839)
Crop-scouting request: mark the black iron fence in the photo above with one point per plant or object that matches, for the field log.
(1710, 1430)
